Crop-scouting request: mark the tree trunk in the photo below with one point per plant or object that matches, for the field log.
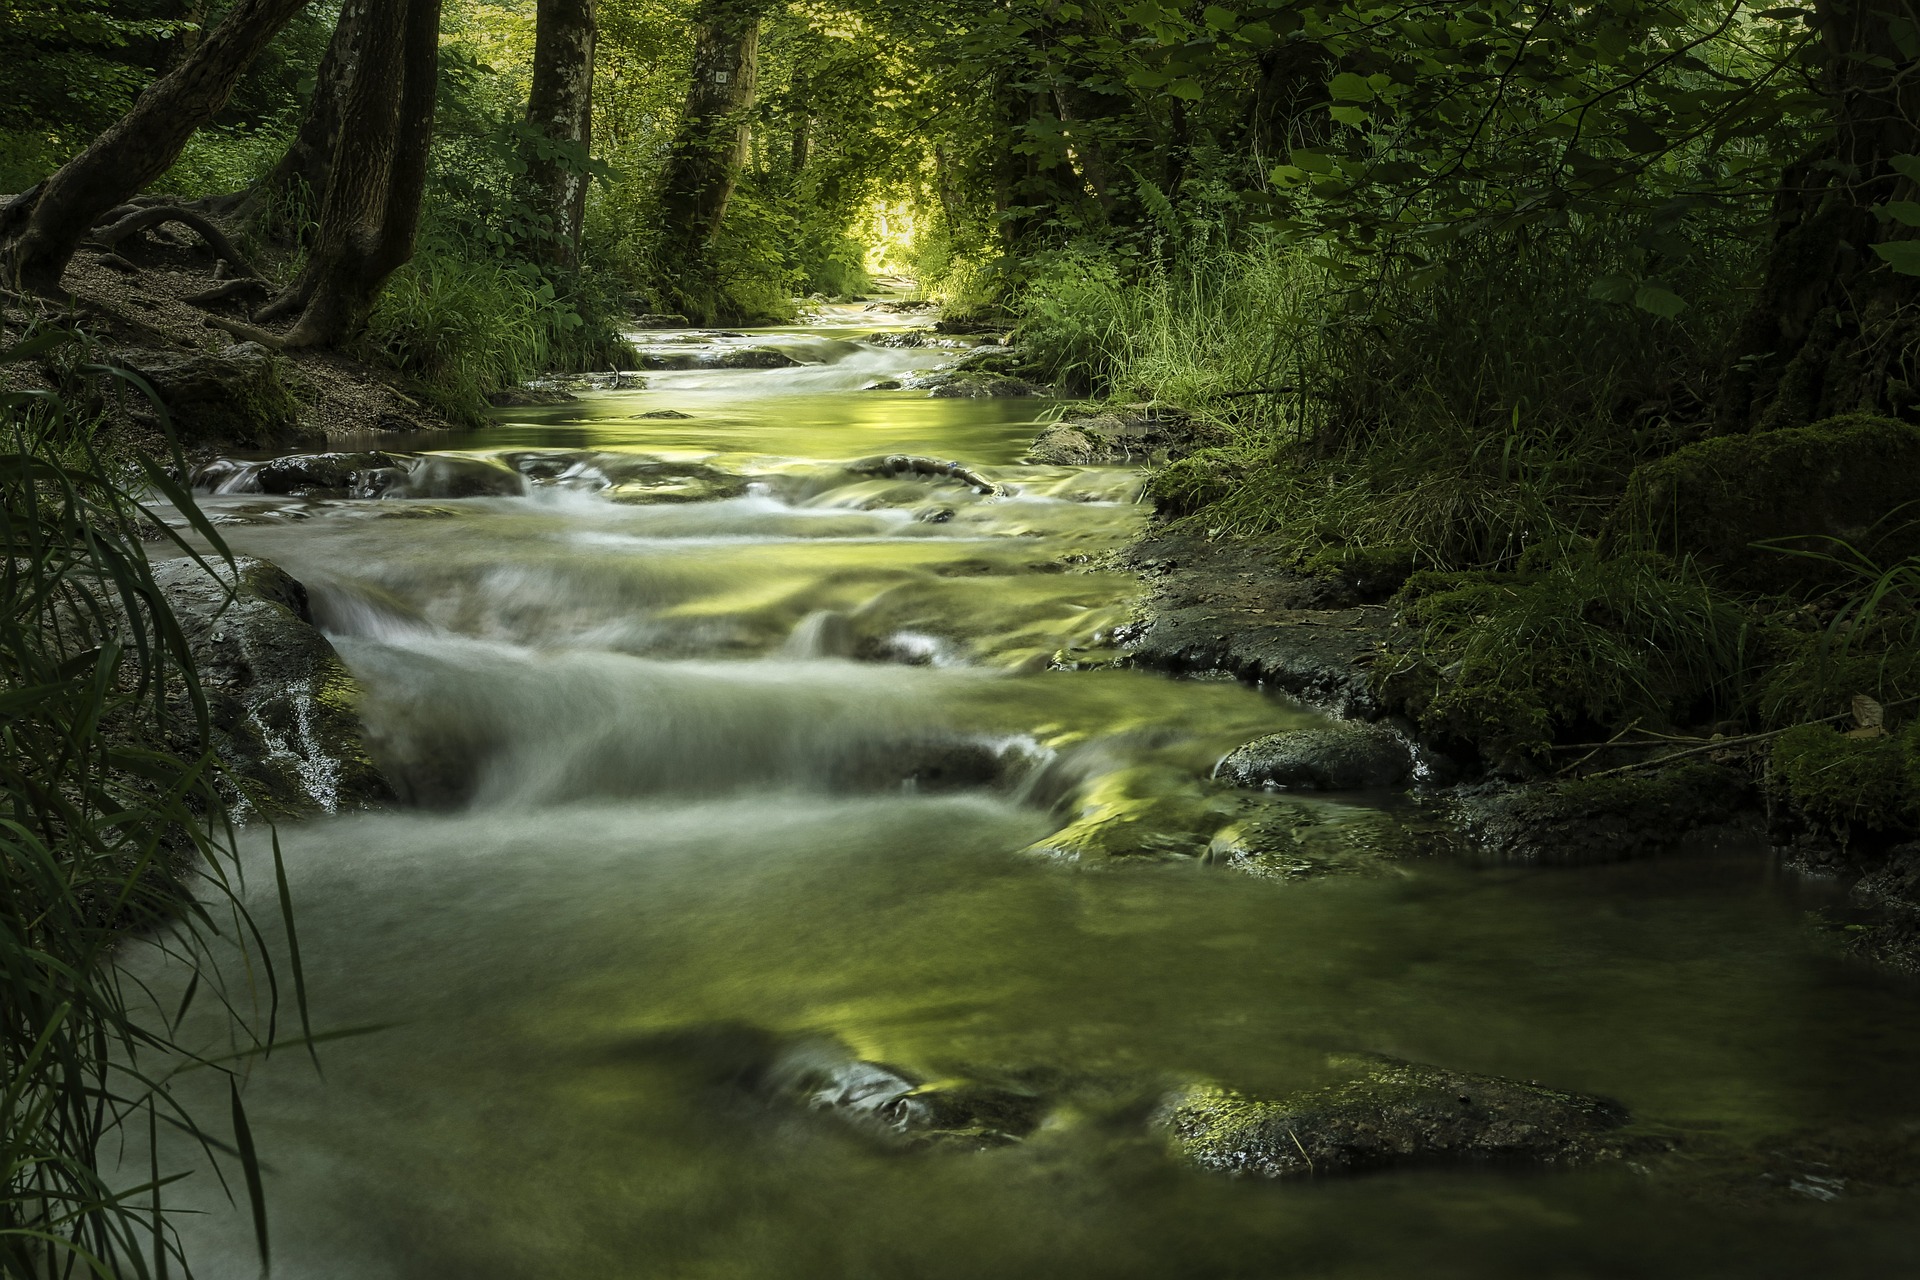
(560, 106)
(800, 121)
(1835, 329)
(371, 209)
(40, 231)
(304, 166)
(711, 145)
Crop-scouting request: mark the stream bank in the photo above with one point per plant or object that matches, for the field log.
(780, 828)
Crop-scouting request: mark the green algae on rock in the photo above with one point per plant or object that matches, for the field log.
(1390, 1113)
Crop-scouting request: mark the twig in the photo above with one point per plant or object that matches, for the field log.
(148, 218)
(1731, 742)
(1602, 746)
(1257, 391)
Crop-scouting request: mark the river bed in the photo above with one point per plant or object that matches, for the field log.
(808, 762)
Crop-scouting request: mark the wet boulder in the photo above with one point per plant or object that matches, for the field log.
(1847, 478)
(983, 386)
(1350, 755)
(1285, 839)
(1389, 1113)
(283, 704)
(446, 475)
(899, 1108)
(333, 475)
(236, 396)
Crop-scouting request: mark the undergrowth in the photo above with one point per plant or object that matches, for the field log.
(112, 822)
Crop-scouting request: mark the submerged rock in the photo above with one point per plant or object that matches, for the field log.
(235, 396)
(1390, 1113)
(1348, 756)
(1890, 892)
(1307, 839)
(1608, 819)
(886, 1102)
(282, 702)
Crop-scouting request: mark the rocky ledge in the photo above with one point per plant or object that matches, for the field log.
(282, 703)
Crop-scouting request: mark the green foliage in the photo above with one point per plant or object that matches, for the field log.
(1513, 661)
(112, 821)
(463, 327)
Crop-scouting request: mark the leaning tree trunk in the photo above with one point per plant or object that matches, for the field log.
(371, 209)
(305, 164)
(711, 146)
(560, 108)
(1836, 327)
(40, 230)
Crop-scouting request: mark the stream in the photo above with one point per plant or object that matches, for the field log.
(716, 753)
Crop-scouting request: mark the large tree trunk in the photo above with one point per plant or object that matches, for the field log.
(711, 145)
(1835, 328)
(371, 209)
(304, 166)
(40, 230)
(560, 106)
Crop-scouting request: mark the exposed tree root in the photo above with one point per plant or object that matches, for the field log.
(247, 332)
(249, 291)
(145, 219)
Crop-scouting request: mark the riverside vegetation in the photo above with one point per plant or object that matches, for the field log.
(1563, 354)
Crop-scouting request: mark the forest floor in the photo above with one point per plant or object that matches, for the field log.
(134, 307)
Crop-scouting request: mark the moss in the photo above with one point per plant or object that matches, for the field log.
(1873, 783)
(1374, 572)
(1199, 480)
(1510, 662)
(1847, 477)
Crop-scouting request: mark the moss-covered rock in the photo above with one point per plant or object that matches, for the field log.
(231, 397)
(1605, 819)
(1390, 1113)
(1850, 477)
(284, 707)
(1348, 756)
(1851, 781)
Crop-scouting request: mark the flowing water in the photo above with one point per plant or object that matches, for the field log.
(803, 762)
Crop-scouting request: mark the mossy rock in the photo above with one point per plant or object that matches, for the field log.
(1847, 781)
(1850, 478)
(1604, 819)
(1391, 1113)
(232, 397)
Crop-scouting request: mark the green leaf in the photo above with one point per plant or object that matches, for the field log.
(1348, 87)
(1907, 167)
(1904, 212)
(1188, 89)
(1311, 161)
(1660, 301)
(1221, 19)
(1355, 116)
(1902, 255)
(1612, 289)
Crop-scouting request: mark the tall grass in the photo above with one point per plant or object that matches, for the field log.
(1466, 412)
(112, 823)
(463, 327)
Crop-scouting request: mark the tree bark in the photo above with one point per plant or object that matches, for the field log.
(305, 164)
(711, 145)
(1835, 328)
(378, 176)
(38, 236)
(560, 107)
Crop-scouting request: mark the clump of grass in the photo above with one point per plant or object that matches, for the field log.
(463, 328)
(112, 822)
